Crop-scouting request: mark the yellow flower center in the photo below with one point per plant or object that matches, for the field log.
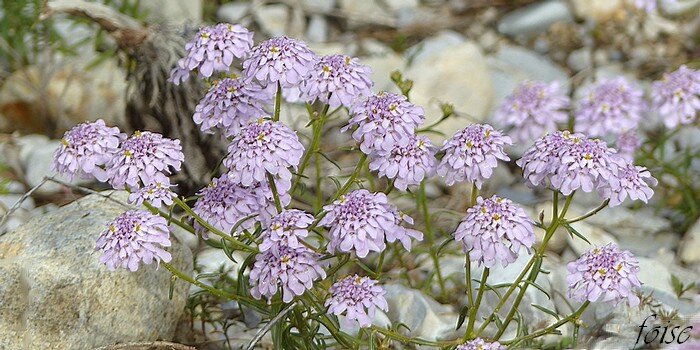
(65, 142)
(128, 153)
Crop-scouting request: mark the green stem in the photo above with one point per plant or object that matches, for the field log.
(213, 229)
(410, 340)
(470, 291)
(571, 318)
(475, 307)
(181, 275)
(317, 128)
(380, 265)
(475, 193)
(589, 214)
(430, 239)
(275, 195)
(170, 218)
(537, 263)
(278, 102)
(319, 194)
(352, 178)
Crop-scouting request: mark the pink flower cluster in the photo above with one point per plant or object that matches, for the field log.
(568, 162)
(212, 50)
(361, 221)
(606, 273)
(472, 154)
(533, 109)
(140, 163)
(358, 298)
(494, 230)
(134, 237)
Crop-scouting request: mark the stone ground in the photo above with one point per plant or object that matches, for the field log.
(467, 53)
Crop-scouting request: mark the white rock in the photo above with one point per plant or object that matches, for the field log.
(382, 66)
(597, 10)
(71, 91)
(580, 59)
(367, 9)
(273, 19)
(176, 12)
(56, 294)
(319, 5)
(396, 5)
(425, 317)
(624, 221)
(233, 12)
(317, 30)
(511, 65)
(597, 236)
(535, 18)
(679, 7)
(449, 69)
(212, 260)
(690, 247)
(36, 160)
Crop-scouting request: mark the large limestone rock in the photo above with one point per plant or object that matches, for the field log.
(55, 294)
(448, 68)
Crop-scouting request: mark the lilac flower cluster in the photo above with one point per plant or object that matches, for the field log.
(357, 297)
(85, 148)
(212, 50)
(568, 162)
(408, 163)
(605, 273)
(293, 270)
(627, 143)
(264, 147)
(383, 121)
(287, 228)
(677, 96)
(229, 105)
(480, 344)
(533, 109)
(280, 60)
(361, 221)
(224, 204)
(494, 230)
(157, 193)
(135, 236)
(472, 154)
(337, 80)
(140, 163)
(610, 107)
(144, 157)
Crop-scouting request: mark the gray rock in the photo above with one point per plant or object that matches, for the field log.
(57, 295)
(396, 5)
(425, 317)
(535, 18)
(690, 248)
(679, 7)
(319, 5)
(580, 59)
(176, 12)
(435, 65)
(511, 65)
(597, 10)
(36, 159)
(234, 12)
(624, 221)
(596, 235)
(273, 19)
(317, 30)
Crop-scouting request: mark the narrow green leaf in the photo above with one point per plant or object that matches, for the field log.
(546, 310)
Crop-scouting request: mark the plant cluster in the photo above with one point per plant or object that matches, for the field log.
(297, 245)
